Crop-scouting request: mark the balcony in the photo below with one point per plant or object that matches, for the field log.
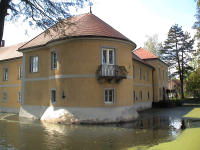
(111, 73)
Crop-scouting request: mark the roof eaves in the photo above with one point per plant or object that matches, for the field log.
(70, 37)
(143, 63)
(11, 58)
(158, 59)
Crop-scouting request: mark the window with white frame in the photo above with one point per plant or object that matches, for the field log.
(4, 96)
(18, 96)
(109, 96)
(5, 74)
(140, 95)
(20, 72)
(133, 71)
(147, 74)
(140, 73)
(34, 64)
(134, 95)
(148, 95)
(54, 59)
(53, 96)
(108, 56)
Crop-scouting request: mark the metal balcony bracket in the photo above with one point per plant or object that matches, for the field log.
(111, 80)
(119, 81)
(102, 80)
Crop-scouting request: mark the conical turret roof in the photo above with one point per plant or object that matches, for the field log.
(86, 25)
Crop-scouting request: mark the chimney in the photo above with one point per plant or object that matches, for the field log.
(2, 43)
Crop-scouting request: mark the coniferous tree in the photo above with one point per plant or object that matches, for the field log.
(177, 52)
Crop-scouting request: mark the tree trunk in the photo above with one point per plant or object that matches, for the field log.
(4, 4)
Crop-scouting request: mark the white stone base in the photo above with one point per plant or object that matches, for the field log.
(142, 106)
(35, 112)
(9, 110)
(88, 115)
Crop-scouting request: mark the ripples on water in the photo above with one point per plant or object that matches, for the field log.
(148, 130)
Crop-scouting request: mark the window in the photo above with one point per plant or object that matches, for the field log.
(5, 74)
(20, 72)
(34, 64)
(140, 73)
(160, 92)
(159, 74)
(163, 76)
(166, 76)
(18, 96)
(147, 74)
(140, 95)
(109, 95)
(4, 96)
(54, 59)
(133, 71)
(108, 56)
(148, 95)
(134, 95)
(53, 96)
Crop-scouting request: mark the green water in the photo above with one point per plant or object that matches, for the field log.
(153, 127)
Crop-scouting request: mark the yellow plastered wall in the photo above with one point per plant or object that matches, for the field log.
(142, 84)
(13, 85)
(77, 58)
(159, 83)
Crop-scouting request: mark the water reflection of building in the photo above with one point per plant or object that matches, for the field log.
(34, 134)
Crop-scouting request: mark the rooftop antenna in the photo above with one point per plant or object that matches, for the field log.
(90, 4)
(90, 9)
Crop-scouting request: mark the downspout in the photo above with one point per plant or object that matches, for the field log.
(153, 82)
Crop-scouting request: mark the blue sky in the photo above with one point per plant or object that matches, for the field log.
(133, 18)
(180, 11)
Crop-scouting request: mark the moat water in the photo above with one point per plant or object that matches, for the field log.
(153, 127)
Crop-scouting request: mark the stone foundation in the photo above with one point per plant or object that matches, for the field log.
(9, 110)
(142, 106)
(76, 115)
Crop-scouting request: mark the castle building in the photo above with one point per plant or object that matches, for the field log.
(92, 75)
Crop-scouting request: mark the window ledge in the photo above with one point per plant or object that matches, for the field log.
(109, 103)
(33, 72)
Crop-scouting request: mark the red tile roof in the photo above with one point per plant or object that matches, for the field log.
(135, 57)
(177, 82)
(144, 54)
(10, 52)
(83, 25)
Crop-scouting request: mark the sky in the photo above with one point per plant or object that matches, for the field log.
(133, 18)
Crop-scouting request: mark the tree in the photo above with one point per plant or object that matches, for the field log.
(196, 26)
(193, 82)
(152, 44)
(178, 51)
(38, 13)
(195, 63)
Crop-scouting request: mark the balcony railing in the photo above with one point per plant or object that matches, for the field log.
(111, 72)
